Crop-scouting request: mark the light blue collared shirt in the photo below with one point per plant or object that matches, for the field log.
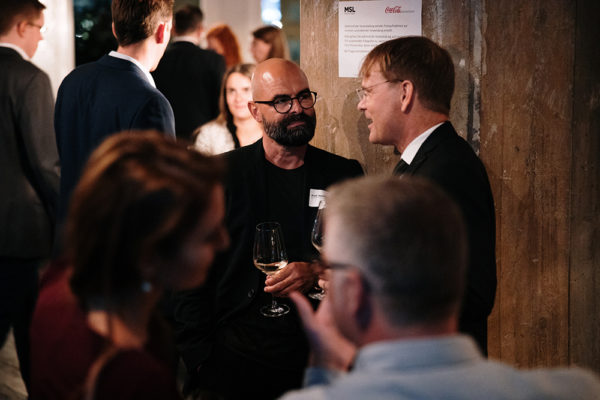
(443, 367)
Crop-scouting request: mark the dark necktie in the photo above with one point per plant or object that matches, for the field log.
(400, 168)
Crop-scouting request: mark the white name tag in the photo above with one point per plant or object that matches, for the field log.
(315, 196)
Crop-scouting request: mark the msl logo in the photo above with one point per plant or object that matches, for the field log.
(349, 10)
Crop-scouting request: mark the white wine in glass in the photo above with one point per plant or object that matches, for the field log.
(316, 238)
(269, 256)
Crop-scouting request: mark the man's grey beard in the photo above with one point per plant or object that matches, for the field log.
(298, 136)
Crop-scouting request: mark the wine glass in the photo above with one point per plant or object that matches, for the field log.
(316, 238)
(269, 256)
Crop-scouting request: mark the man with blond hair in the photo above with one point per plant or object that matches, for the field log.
(407, 86)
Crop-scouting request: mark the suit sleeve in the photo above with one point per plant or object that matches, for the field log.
(36, 124)
(470, 189)
(157, 114)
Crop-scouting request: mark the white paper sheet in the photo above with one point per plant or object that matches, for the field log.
(365, 24)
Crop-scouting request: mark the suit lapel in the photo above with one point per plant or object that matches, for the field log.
(436, 137)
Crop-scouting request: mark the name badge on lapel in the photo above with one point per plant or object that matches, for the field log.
(315, 196)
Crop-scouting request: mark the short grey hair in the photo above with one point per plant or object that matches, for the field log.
(408, 240)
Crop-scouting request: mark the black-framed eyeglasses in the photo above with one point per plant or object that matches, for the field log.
(283, 104)
(365, 92)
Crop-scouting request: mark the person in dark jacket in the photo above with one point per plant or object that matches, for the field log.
(29, 170)
(190, 76)
(230, 348)
(406, 90)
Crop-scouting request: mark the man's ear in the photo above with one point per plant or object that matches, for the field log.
(113, 30)
(358, 299)
(162, 32)
(21, 28)
(254, 111)
(408, 95)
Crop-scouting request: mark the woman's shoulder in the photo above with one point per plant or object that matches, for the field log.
(214, 138)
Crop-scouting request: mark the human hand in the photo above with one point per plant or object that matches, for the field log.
(329, 349)
(324, 278)
(296, 276)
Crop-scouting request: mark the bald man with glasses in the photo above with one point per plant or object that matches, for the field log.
(230, 348)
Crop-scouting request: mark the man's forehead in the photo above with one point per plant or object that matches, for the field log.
(373, 72)
(279, 82)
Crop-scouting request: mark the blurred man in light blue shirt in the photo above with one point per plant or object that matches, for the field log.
(388, 329)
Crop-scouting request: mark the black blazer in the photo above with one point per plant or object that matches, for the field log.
(29, 167)
(233, 281)
(190, 78)
(448, 160)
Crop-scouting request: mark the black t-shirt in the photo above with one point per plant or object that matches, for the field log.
(277, 342)
(285, 196)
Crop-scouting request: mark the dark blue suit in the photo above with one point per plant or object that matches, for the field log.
(99, 99)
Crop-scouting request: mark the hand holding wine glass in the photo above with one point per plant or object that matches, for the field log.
(269, 255)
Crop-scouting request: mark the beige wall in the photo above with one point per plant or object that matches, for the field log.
(242, 16)
(56, 53)
(527, 90)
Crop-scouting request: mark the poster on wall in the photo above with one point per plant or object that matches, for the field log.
(365, 24)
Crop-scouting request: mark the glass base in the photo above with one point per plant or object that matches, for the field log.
(275, 310)
(317, 293)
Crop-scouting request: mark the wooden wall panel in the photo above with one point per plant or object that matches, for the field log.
(526, 101)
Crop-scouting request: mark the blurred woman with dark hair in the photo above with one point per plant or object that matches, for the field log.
(269, 42)
(145, 217)
(222, 40)
(235, 126)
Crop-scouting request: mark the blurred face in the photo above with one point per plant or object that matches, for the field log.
(260, 50)
(214, 45)
(198, 251)
(336, 251)
(33, 35)
(237, 95)
(381, 105)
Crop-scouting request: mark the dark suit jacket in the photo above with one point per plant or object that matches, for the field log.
(99, 99)
(190, 78)
(446, 159)
(29, 168)
(234, 281)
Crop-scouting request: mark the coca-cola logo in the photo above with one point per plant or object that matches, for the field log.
(393, 10)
